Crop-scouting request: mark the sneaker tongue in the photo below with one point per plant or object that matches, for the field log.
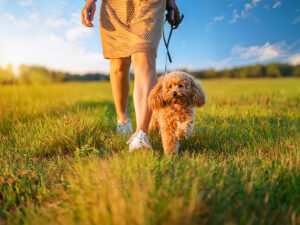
(141, 134)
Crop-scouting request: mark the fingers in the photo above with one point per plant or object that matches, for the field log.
(82, 18)
(93, 13)
(172, 16)
(87, 16)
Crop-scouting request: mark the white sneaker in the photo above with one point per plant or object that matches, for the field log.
(138, 140)
(124, 129)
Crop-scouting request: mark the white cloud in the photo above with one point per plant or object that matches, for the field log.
(248, 6)
(56, 23)
(63, 51)
(33, 15)
(253, 54)
(23, 25)
(76, 18)
(235, 16)
(219, 18)
(215, 20)
(296, 20)
(277, 4)
(78, 32)
(260, 53)
(218, 64)
(9, 16)
(26, 3)
(52, 52)
(75, 30)
(251, 5)
(294, 59)
(19, 24)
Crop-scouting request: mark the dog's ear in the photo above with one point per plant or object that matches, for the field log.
(155, 100)
(198, 94)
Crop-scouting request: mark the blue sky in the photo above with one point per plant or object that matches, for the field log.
(214, 34)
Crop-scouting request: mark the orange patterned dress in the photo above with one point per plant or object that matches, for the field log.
(131, 26)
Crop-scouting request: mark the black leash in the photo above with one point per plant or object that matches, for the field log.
(167, 42)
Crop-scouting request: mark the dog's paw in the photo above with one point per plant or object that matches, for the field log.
(181, 135)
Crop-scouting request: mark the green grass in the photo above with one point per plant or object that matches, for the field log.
(60, 162)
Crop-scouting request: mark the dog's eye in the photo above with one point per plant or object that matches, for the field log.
(180, 86)
(170, 86)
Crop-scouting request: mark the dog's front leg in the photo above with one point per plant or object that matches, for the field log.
(184, 129)
(170, 144)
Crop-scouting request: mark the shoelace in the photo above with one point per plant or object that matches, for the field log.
(140, 135)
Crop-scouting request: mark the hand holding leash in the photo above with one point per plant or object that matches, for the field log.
(88, 12)
(173, 16)
(174, 19)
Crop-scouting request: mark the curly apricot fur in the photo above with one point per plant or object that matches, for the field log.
(173, 101)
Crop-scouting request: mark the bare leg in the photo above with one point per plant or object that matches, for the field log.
(144, 67)
(119, 80)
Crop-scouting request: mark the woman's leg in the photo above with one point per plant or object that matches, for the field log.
(119, 80)
(144, 68)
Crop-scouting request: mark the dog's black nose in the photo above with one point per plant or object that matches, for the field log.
(174, 93)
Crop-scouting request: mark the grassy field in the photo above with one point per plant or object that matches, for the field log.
(60, 162)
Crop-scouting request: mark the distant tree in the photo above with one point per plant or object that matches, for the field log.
(272, 70)
(235, 73)
(199, 74)
(285, 69)
(296, 71)
(58, 76)
(225, 73)
(36, 74)
(256, 71)
(7, 75)
(211, 73)
(86, 77)
(244, 72)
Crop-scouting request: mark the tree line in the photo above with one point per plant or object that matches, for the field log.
(252, 71)
(37, 74)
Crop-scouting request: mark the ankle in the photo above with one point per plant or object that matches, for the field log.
(123, 119)
(122, 122)
(144, 130)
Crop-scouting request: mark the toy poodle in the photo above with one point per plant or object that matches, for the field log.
(173, 101)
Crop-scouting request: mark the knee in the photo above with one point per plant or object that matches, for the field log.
(144, 61)
(117, 72)
(119, 68)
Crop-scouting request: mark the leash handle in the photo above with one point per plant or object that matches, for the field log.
(167, 42)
